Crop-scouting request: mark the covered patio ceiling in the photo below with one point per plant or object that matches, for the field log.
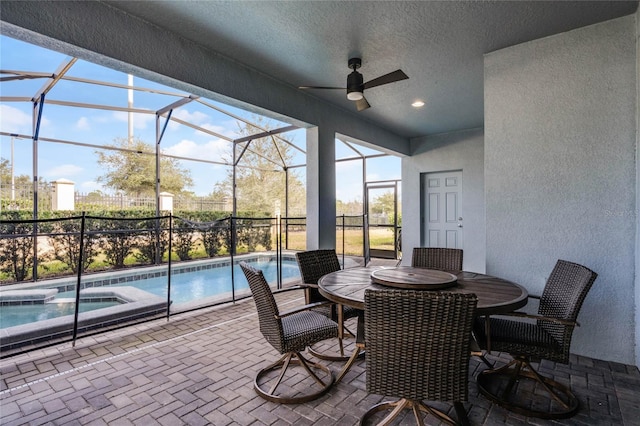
(438, 44)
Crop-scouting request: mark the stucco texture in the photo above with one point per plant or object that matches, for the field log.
(560, 172)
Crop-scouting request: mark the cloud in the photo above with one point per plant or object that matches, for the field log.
(221, 130)
(64, 171)
(140, 121)
(90, 185)
(214, 150)
(14, 120)
(200, 119)
(195, 117)
(83, 124)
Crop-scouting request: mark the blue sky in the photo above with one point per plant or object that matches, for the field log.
(101, 127)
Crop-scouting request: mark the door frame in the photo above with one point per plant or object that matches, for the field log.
(386, 184)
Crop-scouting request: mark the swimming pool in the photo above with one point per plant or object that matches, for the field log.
(44, 310)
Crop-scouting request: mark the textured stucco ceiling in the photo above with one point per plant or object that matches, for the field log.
(439, 45)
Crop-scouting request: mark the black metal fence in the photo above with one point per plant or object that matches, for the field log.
(88, 264)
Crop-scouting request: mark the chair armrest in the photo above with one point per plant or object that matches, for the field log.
(308, 285)
(302, 309)
(291, 288)
(487, 322)
(540, 317)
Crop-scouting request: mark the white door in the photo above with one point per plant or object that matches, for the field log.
(442, 221)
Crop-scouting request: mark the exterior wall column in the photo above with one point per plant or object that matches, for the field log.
(321, 188)
(63, 195)
(166, 202)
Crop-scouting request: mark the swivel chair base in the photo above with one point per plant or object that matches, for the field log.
(290, 359)
(328, 356)
(418, 408)
(497, 386)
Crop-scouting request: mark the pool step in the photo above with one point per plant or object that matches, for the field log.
(27, 297)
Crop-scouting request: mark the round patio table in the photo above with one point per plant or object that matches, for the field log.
(495, 295)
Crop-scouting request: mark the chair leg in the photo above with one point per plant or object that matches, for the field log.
(341, 333)
(287, 360)
(463, 419)
(349, 363)
(477, 351)
(501, 386)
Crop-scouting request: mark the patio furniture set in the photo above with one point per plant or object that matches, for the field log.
(417, 328)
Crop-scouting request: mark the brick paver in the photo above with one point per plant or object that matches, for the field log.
(198, 368)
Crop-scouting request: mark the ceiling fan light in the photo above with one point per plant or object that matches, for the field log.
(354, 96)
(355, 86)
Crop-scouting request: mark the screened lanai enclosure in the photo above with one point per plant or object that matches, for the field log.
(123, 200)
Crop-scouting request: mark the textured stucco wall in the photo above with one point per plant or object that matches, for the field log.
(637, 298)
(464, 151)
(560, 172)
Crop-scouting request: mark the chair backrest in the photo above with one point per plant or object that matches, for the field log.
(418, 343)
(270, 325)
(314, 264)
(562, 298)
(445, 259)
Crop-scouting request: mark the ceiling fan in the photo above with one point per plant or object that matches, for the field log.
(356, 87)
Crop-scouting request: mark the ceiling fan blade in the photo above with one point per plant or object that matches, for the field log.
(362, 104)
(392, 77)
(321, 87)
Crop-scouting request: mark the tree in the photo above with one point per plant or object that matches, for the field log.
(349, 208)
(260, 175)
(134, 173)
(22, 182)
(5, 171)
(383, 206)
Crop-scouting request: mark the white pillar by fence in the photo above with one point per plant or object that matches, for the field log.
(63, 195)
(166, 202)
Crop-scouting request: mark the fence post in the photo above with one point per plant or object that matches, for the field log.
(232, 251)
(279, 250)
(80, 264)
(169, 266)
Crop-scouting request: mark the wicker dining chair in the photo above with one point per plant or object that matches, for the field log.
(418, 349)
(313, 265)
(445, 259)
(549, 337)
(289, 333)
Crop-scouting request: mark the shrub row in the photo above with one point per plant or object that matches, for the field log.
(116, 236)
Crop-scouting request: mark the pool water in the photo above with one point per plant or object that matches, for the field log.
(193, 286)
(13, 315)
(196, 285)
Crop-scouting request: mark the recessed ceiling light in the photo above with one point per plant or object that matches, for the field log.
(417, 104)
